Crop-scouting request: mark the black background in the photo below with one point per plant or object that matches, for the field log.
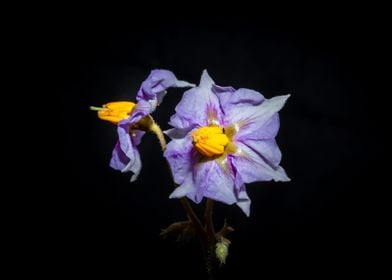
(314, 225)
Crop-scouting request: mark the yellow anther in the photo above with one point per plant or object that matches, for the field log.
(114, 111)
(210, 140)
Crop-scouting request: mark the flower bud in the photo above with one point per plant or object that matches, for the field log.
(222, 250)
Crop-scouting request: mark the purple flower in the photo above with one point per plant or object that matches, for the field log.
(223, 138)
(125, 156)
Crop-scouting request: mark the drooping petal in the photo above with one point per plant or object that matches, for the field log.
(125, 156)
(199, 106)
(134, 165)
(254, 167)
(119, 159)
(153, 89)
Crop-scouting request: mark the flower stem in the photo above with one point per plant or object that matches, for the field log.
(158, 132)
(208, 219)
(211, 237)
(193, 217)
(184, 201)
(206, 235)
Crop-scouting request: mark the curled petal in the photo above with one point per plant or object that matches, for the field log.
(153, 89)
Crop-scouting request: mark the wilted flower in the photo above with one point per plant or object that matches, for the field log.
(133, 120)
(223, 138)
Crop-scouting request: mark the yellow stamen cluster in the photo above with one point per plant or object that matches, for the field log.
(115, 112)
(210, 141)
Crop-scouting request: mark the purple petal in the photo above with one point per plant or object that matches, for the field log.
(177, 133)
(211, 181)
(268, 149)
(256, 120)
(214, 182)
(187, 188)
(268, 130)
(199, 106)
(243, 200)
(219, 89)
(204, 179)
(153, 89)
(125, 156)
(229, 97)
(253, 166)
(198, 179)
(183, 122)
(142, 109)
(179, 156)
(119, 159)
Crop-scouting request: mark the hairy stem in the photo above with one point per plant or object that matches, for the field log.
(158, 132)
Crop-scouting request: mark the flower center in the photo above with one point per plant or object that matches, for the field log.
(114, 112)
(210, 140)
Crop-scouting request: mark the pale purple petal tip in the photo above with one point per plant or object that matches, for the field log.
(244, 201)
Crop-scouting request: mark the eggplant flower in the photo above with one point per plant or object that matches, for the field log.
(133, 120)
(223, 138)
